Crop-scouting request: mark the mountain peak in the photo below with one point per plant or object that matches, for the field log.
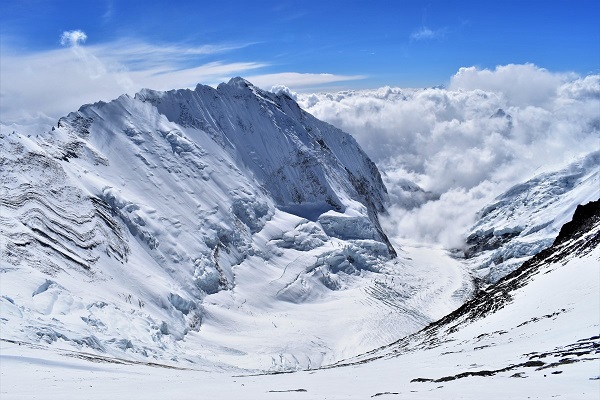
(239, 83)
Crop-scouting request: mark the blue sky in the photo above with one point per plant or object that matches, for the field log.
(306, 45)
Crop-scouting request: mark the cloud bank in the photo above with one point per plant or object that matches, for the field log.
(466, 144)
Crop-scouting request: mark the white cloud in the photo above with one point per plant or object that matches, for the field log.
(59, 81)
(455, 143)
(212, 73)
(443, 221)
(281, 89)
(72, 38)
(298, 80)
(425, 33)
(137, 55)
(53, 83)
(521, 84)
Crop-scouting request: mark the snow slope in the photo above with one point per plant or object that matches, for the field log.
(525, 219)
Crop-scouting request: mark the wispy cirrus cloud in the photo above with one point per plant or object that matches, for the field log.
(299, 80)
(109, 11)
(48, 84)
(54, 82)
(425, 33)
(137, 54)
(59, 81)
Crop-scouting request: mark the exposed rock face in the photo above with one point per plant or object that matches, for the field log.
(585, 218)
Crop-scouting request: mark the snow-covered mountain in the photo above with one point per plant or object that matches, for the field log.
(527, 218)
(208, 226)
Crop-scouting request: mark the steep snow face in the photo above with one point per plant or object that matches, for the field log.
(307, 166)
(527, 218)
(233, 155)
(114, 251)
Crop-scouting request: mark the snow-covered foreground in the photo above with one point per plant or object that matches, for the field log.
(39, 375)
(543, 344)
